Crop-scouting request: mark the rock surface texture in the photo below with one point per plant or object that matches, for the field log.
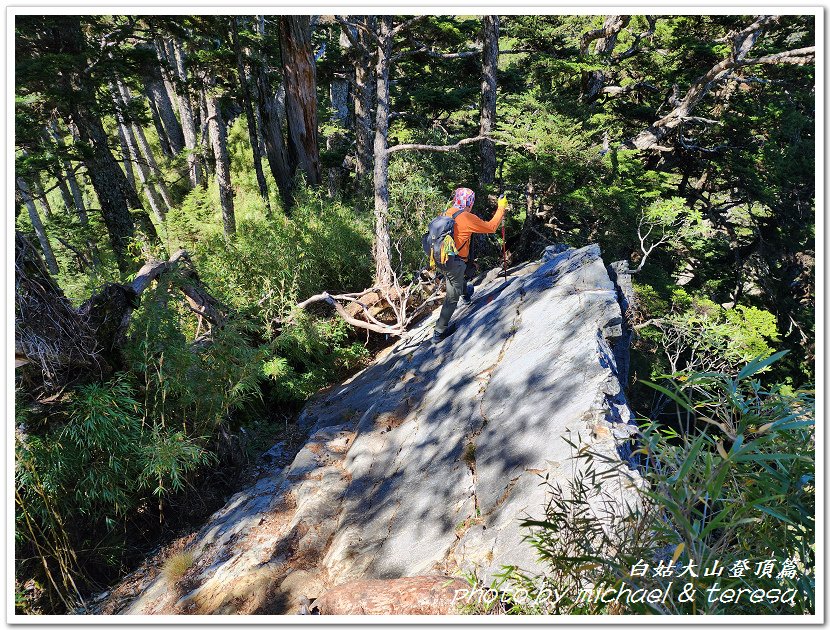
(423, 463)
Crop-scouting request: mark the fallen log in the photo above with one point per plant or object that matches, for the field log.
(57, 345)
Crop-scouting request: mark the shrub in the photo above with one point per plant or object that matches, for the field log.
(310, 353)
(77, 482)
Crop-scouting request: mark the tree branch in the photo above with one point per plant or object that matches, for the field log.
(742, 42)
(441, 148)
(610, 29)
(404, 25)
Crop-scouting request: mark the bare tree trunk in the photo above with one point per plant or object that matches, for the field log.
(300, 95)
(245, 92)
(607, 35)
(530, 219)
(218, 140)
(45, 247)
(382, 253)
(125, 130)
(204, 135)
(339, 96)
(111, 187)
(164, 141)
(145, 152)
(71, 180)
(41, 198)
(365, 90)
(613, 25)
(66, 196)
(126, 159)
(269, 111)
(168, 126)
(489, 67)
(77, 198)
(172, 59)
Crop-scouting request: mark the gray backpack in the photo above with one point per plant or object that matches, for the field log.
(438, 242)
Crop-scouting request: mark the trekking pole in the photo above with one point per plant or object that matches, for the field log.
(503, 246)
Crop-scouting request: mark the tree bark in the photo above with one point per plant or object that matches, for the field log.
(365, 91)
(126, 131)
(126, 155)
(245, 93)
(269, 111)
(300, 96)
(164, 141)
(607, 35)
(382, 245)
(218, 141)
(339, 97)
(172, 59)
(111, 187)
(489, 67)
(145, 152)
(40, 232)
(168, 125)
(42, 200)
(71, 180)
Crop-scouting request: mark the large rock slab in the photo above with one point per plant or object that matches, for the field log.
(419, 595)
(425, 462)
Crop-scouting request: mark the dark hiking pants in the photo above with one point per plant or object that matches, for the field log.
(456, 283)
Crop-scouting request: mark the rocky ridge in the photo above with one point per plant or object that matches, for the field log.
(423, 463)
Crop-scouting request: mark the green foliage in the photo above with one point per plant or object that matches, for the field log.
(415, 198)
(273, 263)
(730, 208)
(75, 484)
(309, 354)
(738, 485)
(194, 388)
(701, 335)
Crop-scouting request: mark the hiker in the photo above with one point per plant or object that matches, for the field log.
(466, 224)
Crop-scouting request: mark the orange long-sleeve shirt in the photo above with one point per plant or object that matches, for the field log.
(467, 224)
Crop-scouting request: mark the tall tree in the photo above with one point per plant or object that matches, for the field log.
(25, 195)
(382, 244)
(172, 61)
(77, 71)
(250, 119)
(127, 132)
(300, 95)
(270, 113)
(361, 47)
(218, 141)
(168, 127)
(489, 67)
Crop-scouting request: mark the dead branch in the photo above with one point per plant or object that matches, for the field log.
(445, 148)
(394, 298)
(742, 42)
(607, 34)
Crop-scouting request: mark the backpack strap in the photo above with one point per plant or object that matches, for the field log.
(455, 214)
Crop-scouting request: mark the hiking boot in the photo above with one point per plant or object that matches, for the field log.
(468, 294)
(439, 337)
